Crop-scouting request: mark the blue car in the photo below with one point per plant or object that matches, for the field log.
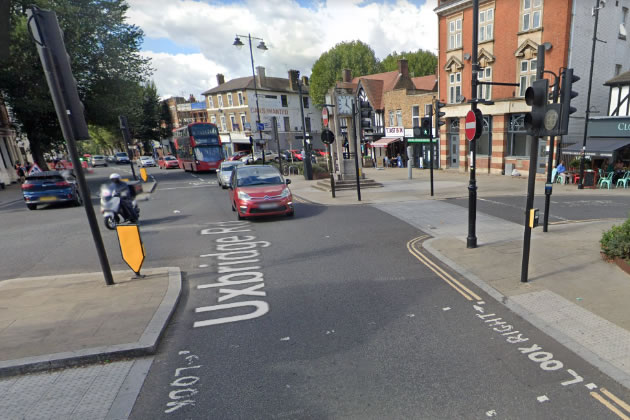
(50, 187)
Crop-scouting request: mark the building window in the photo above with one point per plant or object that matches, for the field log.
(623, 32)
(428, 110)
(220, 100)
(305, 101)
(518, 141)
(223, 126)
(287, 124)
(484, 142)
(213, 119)
(527, 75)
(240, 98)
(307, 124)
(283, 99)
(486, 25)
(234, 124)
(399, 122)
(617, 69)
(455, 34)
(485, 91)
(210, 102)
(243, 121)
(230, 102)
(531, 14)
(415, 116)
(391, 118)
(454, 87)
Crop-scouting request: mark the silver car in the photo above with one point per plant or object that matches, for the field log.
(225, 172)
(98, 160)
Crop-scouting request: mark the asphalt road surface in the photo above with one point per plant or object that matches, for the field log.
(334, 313)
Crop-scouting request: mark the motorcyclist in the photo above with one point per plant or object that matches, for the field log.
(127, 195)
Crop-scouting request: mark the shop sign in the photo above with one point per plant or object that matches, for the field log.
(394, 131)
(609, 127)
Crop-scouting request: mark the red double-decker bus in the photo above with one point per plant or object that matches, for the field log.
(198, 147)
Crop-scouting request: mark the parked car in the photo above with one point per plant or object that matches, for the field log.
(225, 172)
(239, 155)
(121, 157)
(111, 159)
(320, 152)
(260, 190)
(296, 154)
(50, 187)
(167, 162)
(97, 160)
(145, 161)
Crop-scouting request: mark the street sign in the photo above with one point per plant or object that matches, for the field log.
(327, 136)
(260, 126)
(471, 125)
(34, 169)
(325, 116)
(131, 247)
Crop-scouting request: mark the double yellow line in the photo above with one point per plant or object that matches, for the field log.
(413, 246)
(621, 403)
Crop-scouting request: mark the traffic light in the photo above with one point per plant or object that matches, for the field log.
(566, 94)
(365, 111)
(425, 128)
(536, 97)
(56, 62)
(439, 114)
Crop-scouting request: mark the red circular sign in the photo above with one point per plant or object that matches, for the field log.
(325, 116)
(471, 125)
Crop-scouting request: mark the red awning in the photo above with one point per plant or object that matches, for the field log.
(385, 141)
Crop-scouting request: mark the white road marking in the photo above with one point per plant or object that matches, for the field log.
(285, 338)
(203, 265)
(591, 386)
(447, 308)
(542, 398)
(491, 413)
(176, 211)
(411, 315)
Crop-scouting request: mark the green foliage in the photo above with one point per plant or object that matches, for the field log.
(104, 51)
(616, 241)
(575, 163)
(104, 141)
(149, 127)
(421, 62)
(355, 55)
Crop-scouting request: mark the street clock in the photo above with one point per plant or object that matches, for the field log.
(344, 104)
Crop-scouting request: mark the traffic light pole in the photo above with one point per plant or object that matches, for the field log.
(357, 147)
(308, 168)
(552, 140)
(471, 240)
(431, 146)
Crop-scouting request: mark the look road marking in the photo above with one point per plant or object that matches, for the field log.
(450, 280)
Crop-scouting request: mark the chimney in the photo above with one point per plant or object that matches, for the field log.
(260, 77)
(294, 75)
(347, 75)
(220, 79)
(305, 80)
(191, 98)
(403, 67)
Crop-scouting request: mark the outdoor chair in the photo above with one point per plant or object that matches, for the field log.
(607, 180)
(624, 180)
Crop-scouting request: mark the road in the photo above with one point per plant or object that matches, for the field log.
(335, 313)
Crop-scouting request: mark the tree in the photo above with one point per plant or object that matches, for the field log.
(166, 121)
(105, 58)
(149, 127)
(104, 140)
(355, 55)
(421, 62)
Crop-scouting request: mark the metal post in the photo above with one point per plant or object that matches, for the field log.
(66, 129)
(531, 182)
(356, 149)
(552, 140)
(588, 96)
(124, 128)
(471, 240)
(274, 130)
(431, 146)
(262, 144)
(308, 168)
(332, 176)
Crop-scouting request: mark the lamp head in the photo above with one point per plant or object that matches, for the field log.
(237, 43)
(262, 46)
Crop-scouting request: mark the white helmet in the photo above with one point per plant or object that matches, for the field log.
(114, 176)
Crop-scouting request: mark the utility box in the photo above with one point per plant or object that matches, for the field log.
(509, 167)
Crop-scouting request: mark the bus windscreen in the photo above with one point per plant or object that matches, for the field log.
(204, 134)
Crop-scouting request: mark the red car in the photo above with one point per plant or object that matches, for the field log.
(297, 155)
(239, 155)
(260, 190)
(167, 162)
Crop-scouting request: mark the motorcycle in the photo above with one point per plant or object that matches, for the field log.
(113, 211)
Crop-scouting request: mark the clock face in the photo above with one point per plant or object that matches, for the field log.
(551, 119)
(344, 104)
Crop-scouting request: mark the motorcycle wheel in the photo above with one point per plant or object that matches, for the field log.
(110, 223)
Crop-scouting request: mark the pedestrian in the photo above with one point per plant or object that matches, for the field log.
(19, 170)
(400, 162)
(385, 161)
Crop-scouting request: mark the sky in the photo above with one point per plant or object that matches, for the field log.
(190, 41)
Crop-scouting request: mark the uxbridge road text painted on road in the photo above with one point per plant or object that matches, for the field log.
(236, 257)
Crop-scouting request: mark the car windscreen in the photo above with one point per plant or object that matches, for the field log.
(169, 158)
(121, 154)
(228, 167)
(98, 157)
(41, 179)
(250, 176)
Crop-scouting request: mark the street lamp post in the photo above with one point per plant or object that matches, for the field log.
(261, 46)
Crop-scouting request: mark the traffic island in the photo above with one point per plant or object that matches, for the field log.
(68, 320)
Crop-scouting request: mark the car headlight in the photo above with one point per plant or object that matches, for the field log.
(285, 193)
(243, 196)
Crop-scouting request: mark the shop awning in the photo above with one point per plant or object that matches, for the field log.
(385, 141)
(235, 138)
(597, 147)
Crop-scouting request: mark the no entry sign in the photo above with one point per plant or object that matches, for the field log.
(325, 116)
(473, 125)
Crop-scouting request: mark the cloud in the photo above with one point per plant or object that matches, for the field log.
(296, 36)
